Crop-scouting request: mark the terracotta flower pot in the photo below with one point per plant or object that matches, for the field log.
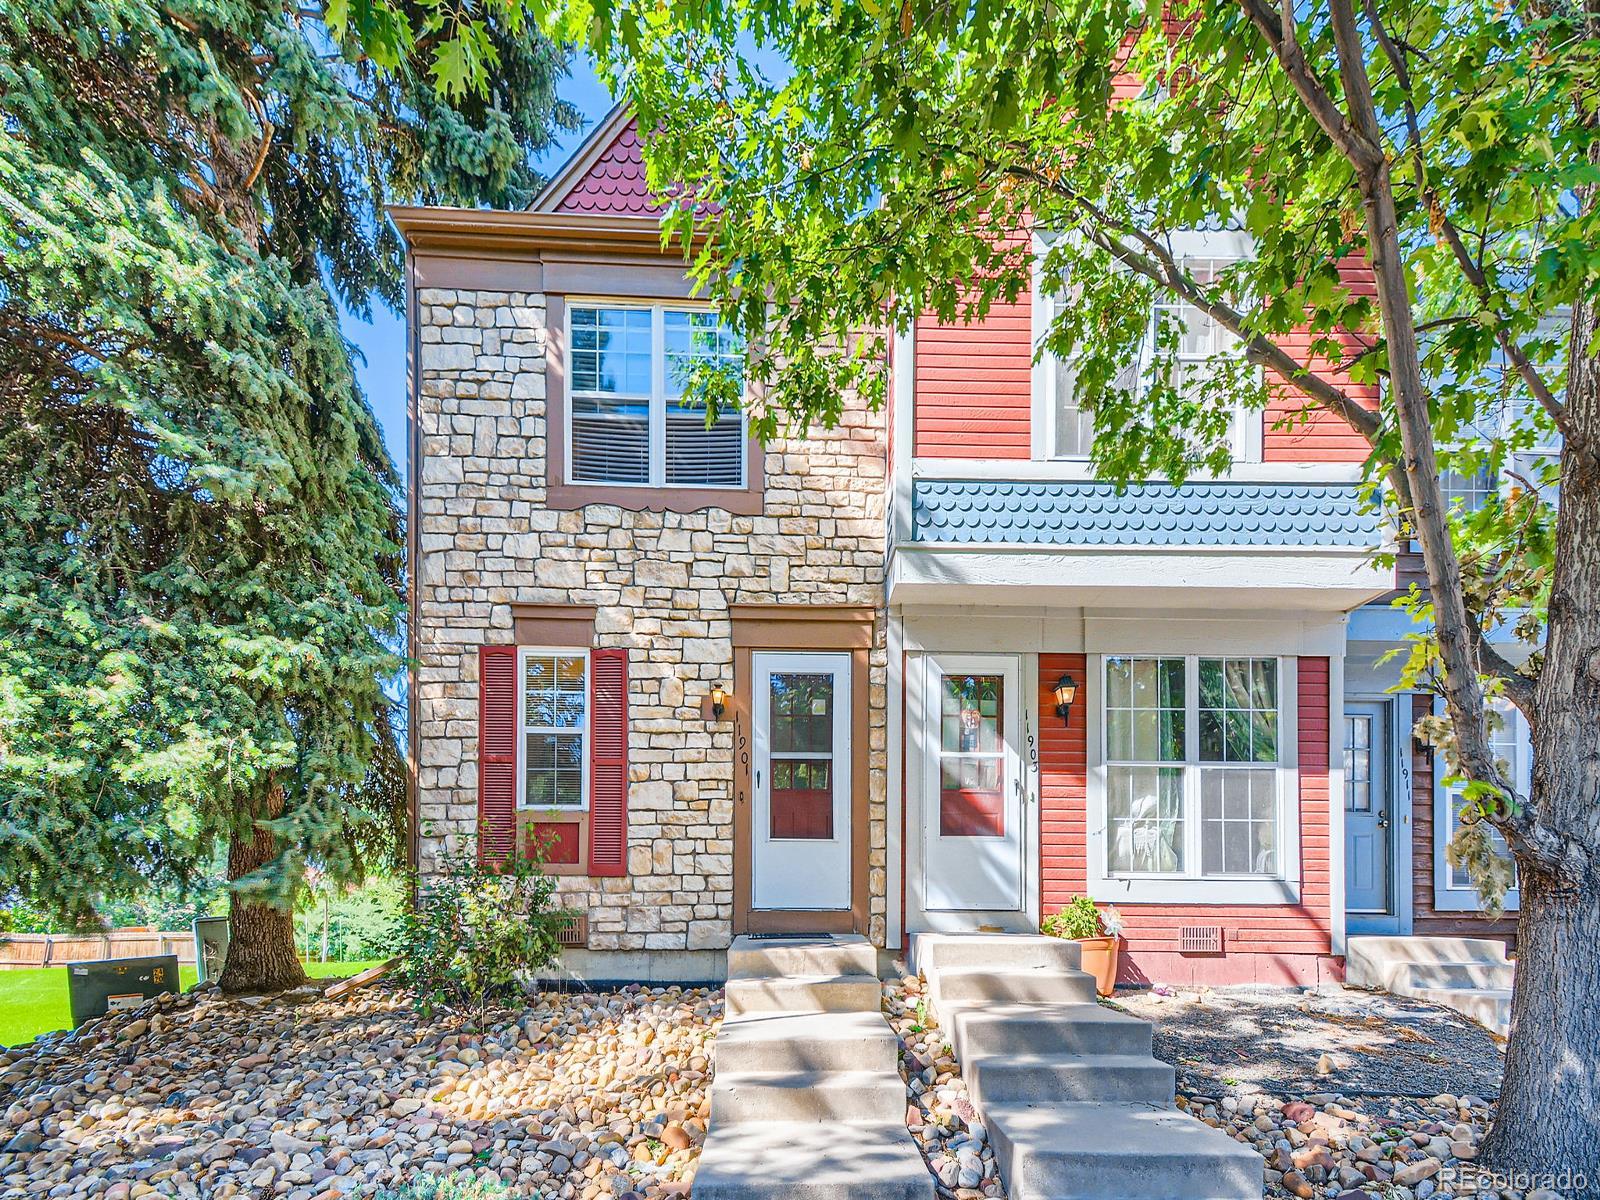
(1100, 960)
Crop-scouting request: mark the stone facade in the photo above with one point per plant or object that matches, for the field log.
(661, 584)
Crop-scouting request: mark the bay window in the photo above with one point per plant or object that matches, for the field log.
(630, 421)
(1196, 772)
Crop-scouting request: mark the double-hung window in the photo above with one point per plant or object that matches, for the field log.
(553, 712)
(633, 419)
(1511, 741)
(1195, 767)
(1204, 255)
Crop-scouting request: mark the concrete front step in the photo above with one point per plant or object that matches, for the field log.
(873, 1097)
(802, 993)
(832, 1041)
(812, 954)
(1118, 1152)
(1067, 1078)
(1489, 1007)
(1000, 985)
(1406, 978)
(779, 1160)
(978, 1029)
(1368, 956)
(945, 951)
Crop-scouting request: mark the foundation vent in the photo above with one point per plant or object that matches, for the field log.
(575, 934)
(1200, 939)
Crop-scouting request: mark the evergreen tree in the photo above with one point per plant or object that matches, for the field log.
(200, 532)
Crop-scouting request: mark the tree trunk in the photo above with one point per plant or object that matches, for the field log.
(1549, 1114)
(261, 950)
(1546, 1131)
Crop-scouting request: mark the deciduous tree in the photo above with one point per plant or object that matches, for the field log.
(1417, 183)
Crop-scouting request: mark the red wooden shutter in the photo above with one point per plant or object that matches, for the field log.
(608, 762)
(497, 752)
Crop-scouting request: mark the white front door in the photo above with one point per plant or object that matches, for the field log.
(972, 791)
(800, 829)
(1367, 811)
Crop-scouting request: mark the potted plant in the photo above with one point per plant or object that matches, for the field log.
(1097, 931)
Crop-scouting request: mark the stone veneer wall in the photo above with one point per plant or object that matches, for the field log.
(661, 584)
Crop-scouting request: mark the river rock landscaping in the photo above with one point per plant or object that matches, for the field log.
(940, 1116)
(604, 1096)
(1315, 1082)
(575, 1096)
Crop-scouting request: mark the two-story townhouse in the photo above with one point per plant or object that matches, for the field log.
(920, 672)
(651, 646)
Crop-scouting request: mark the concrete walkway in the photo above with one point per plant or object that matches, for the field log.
(807, 1102)
(1076, 1106)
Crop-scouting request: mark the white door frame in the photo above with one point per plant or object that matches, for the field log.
(811, 875)
(922, 674)
(1397, 734)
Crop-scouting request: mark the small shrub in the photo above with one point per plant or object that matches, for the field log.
(1081, 919)
(444, 1187)
(470, 930)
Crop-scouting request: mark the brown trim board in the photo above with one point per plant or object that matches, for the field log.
(802, 628)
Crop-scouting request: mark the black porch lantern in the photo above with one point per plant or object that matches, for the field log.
(1066, 693)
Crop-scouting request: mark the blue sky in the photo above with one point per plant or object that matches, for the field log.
(381, 341)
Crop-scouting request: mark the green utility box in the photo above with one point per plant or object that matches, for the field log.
(97, 988)
(210, 946)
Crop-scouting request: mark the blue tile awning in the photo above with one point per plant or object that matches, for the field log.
(1091, 513)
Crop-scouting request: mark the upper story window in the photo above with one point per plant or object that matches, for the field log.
(630, 422)
(1205, 255)
(1468, 490)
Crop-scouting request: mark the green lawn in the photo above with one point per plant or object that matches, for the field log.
(34, 1000)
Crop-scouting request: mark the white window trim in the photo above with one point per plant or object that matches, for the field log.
(1248, 424)
(523, 654)
(1196, 889)
(1447, 898)
(1044, 365)
(657, 428)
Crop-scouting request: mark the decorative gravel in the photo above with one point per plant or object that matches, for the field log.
(1290, 1043)
(941, 1118)
(294, 1097)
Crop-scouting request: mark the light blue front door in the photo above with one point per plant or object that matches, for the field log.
(1368, 810)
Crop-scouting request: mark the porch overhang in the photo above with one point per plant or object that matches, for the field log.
(1323, 579)
(1305, 544)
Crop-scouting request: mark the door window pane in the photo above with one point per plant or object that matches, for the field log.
(800, 724)
(972, 756)
(1358, 763)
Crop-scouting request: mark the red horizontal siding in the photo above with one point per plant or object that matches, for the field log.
(974, 385)
(1280, 944)
(974, 389)
(1296, 428)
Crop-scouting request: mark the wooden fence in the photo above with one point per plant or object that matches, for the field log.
(58, 949)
